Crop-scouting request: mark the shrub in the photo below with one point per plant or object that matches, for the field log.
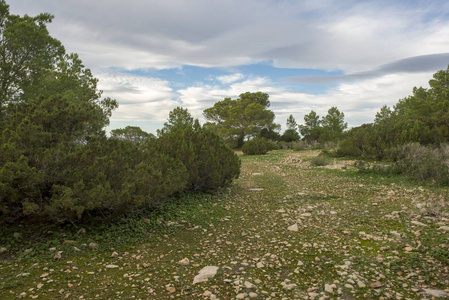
(319, 161)
(210, 164)
(257, 146)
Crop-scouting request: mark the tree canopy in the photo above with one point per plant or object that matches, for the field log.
(242, 118)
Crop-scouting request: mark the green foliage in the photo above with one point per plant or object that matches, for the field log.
(210, 164)
(311, 129)
(319, 161)
(132, 133)
(291, 134)
(236, 120)
(27, 51)
(258, 146)
(420, 118)
(56, 160)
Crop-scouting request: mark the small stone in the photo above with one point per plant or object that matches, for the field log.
(289, 286)
(114, 254)
(69, 242)
(446, 228)
(81, 230)
(171, 289)
(328, 288)
(111, 266)
(93, 245)
(293, 227)
(40, 285)
(253, 295)
(207, 294)
(184, 262)
(3, 249)
(28, 250)
(419, 223)
(22, 295)
(408, 249)
(241, 296)
(248, 285)
(57, 255)
(375, 285)
(44, 275)
(260, 265)
(17, 235)
(360, 284)
(205, 273)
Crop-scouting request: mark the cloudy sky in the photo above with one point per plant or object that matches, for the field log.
(154, 55)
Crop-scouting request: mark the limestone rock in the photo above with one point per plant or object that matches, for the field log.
(436, 293)
(184, 262)
(205, 273)
(293, 227)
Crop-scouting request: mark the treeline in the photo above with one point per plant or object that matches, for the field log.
(56, 160)
(412, 136)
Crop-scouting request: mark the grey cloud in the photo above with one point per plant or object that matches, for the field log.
(417, 64)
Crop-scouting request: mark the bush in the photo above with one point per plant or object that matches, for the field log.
(44, 175)
(319, 161)
(210, 164)
(424, 163)
(258, 146)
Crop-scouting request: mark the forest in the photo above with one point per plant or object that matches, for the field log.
(57, 162)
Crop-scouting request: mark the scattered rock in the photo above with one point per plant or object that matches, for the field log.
(253, 295)
(57, 255)
(184, 262)
(329, 288)
(69, 242)
(293, 227)
(260, 265)
(289, 286)
(111, 266)
(93, 245)
(114, 254)
(375, 285)
(419, 223)
(205, 273)
(3, 249)
(436, 293)
(171, 289)
(446, 228)
(249, 285)
(28, 250)
(81, 230)
(17, 235)
(408, 249)
(241, 296)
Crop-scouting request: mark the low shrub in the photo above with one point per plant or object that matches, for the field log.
(258, 146)
(319, 161)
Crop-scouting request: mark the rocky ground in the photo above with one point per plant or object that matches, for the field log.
(285, 230)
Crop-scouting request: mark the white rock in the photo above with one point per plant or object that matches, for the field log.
(253, 295)
(3, 249)
(444, 228)
(205, 273)
(419, 223)
(436, 293)
(289, 286)
(114, 254)
(111, 266)
(241, 296)
(328, 288)
(260, 264)
(249, 285)
(293, 227)
(184, 262)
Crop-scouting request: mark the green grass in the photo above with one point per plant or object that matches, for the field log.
(348, 225)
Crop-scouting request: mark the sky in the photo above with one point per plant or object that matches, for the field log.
(153, 55)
